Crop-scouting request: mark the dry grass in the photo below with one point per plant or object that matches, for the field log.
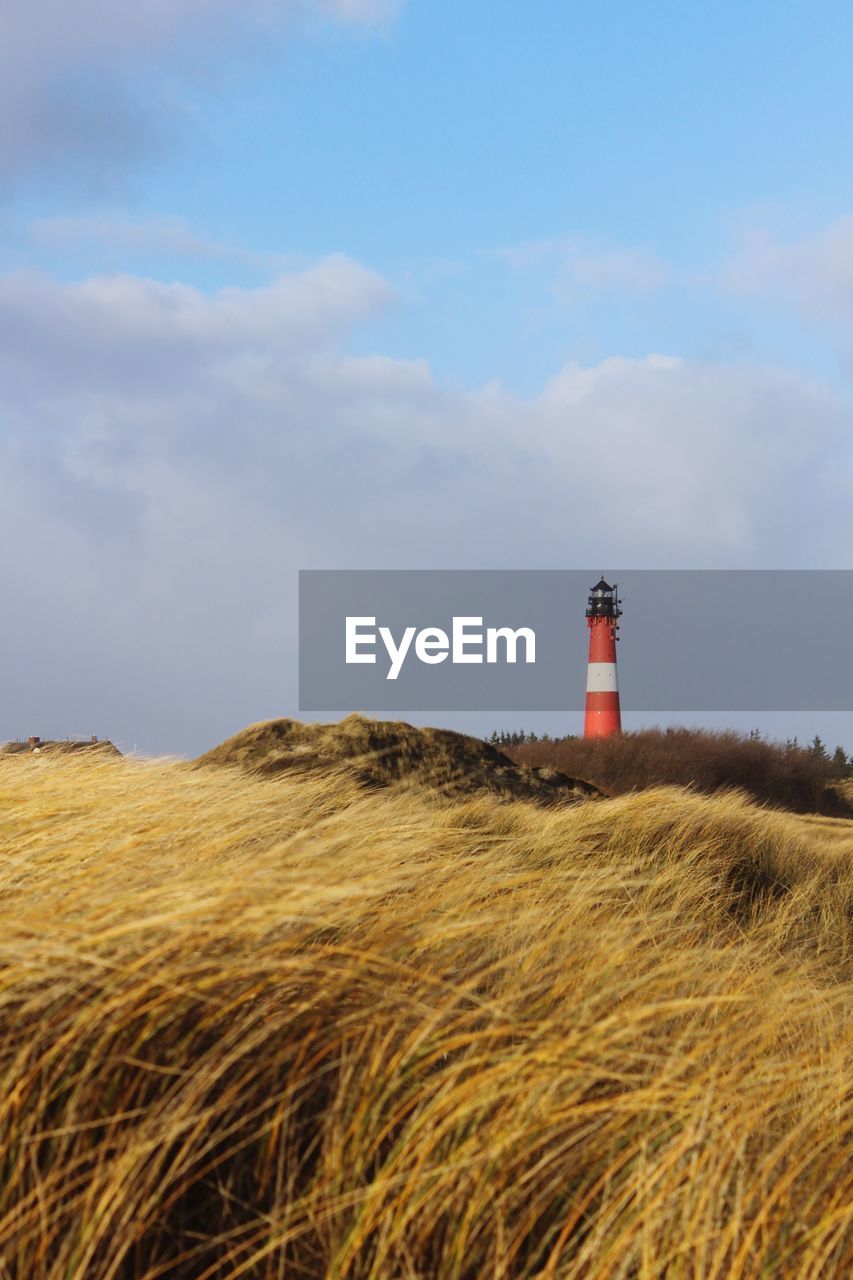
(379, 753)
(287, 1028)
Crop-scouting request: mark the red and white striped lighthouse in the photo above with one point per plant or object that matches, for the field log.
(603, 716)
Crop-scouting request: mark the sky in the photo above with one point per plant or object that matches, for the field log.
(402, 283)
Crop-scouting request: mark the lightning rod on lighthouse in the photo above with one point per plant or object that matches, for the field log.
(603, 715)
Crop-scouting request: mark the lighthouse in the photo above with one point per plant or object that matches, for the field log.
(603, 716)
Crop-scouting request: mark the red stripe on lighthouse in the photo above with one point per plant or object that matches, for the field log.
(603, 713)
(602, 640)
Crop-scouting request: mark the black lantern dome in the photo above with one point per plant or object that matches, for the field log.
(603, 601)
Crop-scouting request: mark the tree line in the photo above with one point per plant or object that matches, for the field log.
(835, 764)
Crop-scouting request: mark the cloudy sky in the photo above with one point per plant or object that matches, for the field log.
(392, 283)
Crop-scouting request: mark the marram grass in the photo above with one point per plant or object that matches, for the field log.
(289, 1029)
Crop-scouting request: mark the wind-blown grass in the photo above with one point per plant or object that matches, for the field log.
(288, 1028)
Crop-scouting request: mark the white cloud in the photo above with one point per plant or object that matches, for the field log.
(169, 459)
(115, 332)
(371, 12)
(54, 33)
(812, 272)
(117, 237)
(69, 97)
(578, 265)
(119, 370)
(632, 269)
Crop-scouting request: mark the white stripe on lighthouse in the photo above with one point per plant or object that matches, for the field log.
(601, 677)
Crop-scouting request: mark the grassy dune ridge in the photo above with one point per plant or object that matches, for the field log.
(287, 1028)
